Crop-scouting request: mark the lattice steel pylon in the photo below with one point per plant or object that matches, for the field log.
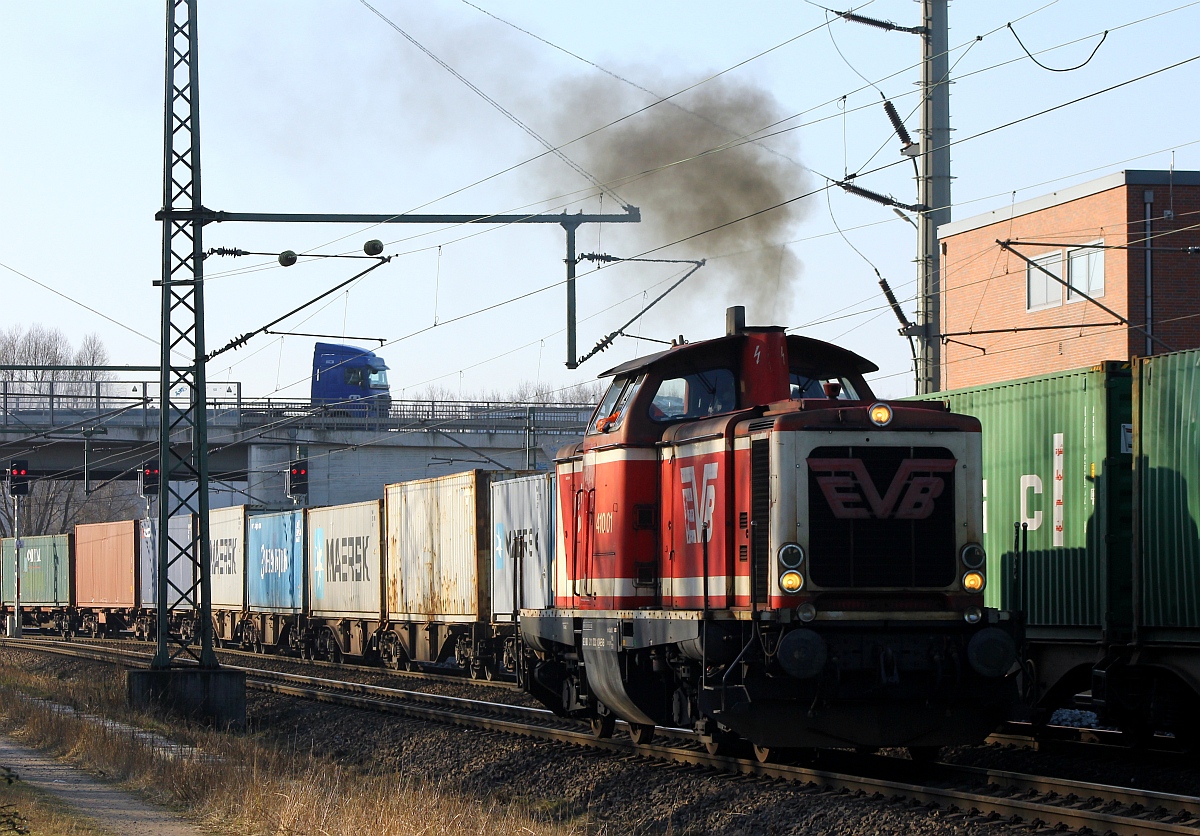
(184, 420)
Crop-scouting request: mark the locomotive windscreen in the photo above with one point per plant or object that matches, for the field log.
(881, 516)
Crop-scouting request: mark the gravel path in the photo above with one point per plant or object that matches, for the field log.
(111, 808)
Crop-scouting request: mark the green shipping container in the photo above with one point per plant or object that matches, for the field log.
(46, 571)
(1167, 473)
(1057, 457)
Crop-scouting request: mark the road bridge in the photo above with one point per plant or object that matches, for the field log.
(106, 430)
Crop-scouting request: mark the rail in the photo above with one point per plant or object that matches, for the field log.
(88, 406)
(983, 795)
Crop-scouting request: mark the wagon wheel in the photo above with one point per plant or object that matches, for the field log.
(765, 754)
(641, 733)
(476, 672)
(603, 725)
(491, 671)
(390, 652)
(722, 743)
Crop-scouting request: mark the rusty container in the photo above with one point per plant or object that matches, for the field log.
(439, 548)
(106, 564)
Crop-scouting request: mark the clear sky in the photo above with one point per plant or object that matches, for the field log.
(325, 107)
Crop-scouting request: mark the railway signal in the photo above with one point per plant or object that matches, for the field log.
(148, 477)
(18, 477)
(297, 479)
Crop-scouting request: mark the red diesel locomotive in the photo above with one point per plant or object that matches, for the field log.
(750, 545)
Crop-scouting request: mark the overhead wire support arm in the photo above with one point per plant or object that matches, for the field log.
(885, 199)
(602, 257)
(238, 342)
(886, 25)
(1008, 246)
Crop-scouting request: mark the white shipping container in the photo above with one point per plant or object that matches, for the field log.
(227, 557)
(180, 530)
(522, 544)
(438, 548)
(344, 572)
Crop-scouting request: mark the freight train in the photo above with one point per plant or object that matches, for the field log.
(746, 543)
(1091, 506)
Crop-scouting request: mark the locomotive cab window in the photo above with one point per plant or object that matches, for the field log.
(816, 385)
(695, 395)
(615, 403)
(354, 377)
(377, 378)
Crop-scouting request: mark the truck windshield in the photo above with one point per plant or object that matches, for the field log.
(377, 379)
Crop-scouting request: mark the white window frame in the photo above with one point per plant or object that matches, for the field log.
(1087, 251)
(1045, 260)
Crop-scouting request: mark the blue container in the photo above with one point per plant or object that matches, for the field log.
(275, 562)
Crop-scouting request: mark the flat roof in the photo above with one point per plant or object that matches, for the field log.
(1129, 177)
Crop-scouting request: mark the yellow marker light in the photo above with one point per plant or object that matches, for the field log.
(973, 581)
(791, 582)
(881, 415)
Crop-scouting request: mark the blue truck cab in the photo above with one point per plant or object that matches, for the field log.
(350, 378)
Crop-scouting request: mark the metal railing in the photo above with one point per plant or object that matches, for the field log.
(37, 406)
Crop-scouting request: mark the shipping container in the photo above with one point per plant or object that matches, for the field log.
(439, 548)
(227, 556)
(1057, 459)
(106, 563)
(344, 565)
(181, 530)
(1167, 471)
(522, 545)
(46, 570)
(275, 562)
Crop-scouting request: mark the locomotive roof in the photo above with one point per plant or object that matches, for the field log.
(801, 351)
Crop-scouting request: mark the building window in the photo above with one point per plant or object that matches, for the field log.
(1085, 272)
(1041, 291)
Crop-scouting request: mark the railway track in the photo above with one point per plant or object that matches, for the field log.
(978, 794)
(377, 670)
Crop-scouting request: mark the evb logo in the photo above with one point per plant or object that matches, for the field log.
(852, 494)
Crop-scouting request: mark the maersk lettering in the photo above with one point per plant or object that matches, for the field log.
(346, 559)
(223, 555)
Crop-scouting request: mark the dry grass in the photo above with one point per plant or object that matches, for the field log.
(27, 810)
(241, 785)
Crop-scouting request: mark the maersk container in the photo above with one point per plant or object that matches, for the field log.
(1056, 457)
(275, 562)
(227, 556)
(1167, 471)
(344, 566)
(46, 570)
(106, 562)
(439, 548)
(180, 530)
(522, 545)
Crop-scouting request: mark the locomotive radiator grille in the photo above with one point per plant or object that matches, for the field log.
(881, 516)
(760, 509)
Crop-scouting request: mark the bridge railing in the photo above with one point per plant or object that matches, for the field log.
(48, 404)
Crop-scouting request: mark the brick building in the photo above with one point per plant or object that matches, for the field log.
(1003, 319)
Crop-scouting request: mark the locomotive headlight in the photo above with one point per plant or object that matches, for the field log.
(973, 556)
(973, 581)
(881, 415)
(973, 615)
(806, 612)
(791, 556)
(791, 582)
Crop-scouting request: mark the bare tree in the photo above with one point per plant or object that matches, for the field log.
(54, 506)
